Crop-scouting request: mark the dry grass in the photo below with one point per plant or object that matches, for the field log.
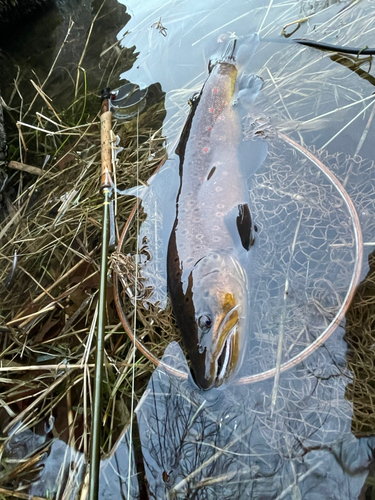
(49, 276)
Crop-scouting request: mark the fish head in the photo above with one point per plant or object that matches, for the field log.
(219, 295)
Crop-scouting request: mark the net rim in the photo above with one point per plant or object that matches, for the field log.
(317, 342)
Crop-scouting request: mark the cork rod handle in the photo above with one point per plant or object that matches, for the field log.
(105, 133)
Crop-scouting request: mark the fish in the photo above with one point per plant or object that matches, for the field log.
(212, 235)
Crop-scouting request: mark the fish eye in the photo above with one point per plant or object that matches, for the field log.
(205, 322)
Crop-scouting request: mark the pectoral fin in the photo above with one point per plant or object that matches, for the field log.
(239, 225)
(249, 87)
(244, 226)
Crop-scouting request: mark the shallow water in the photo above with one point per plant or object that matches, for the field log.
(283, 436)
(299, 83)
(230, 444)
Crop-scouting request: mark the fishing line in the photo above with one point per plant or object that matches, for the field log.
(135, 312)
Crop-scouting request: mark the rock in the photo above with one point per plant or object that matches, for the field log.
(12, 10)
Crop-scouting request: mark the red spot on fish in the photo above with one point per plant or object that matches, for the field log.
(216, 228)
(219, 214)
(218, 189)
(221, 117)
(215, 90)
(197, 219)
(211, 110)
(222, 138)
(225, 103)
(208, 129)
(220, 205)
(206, 149)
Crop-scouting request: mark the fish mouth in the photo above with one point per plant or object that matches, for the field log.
(224, 365)
(223, 368)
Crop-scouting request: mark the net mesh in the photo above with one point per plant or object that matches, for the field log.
(306, 258)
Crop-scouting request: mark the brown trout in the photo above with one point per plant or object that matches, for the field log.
(212, 234)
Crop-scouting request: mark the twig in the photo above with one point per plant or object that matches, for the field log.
(347, 125)
(49, 307)
(16, 165)
(189, 477)
(85, 47)
(60, 366)
(29, 275)
(360, 144)
(58, 281)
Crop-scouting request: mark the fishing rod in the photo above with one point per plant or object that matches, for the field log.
(123, 103)
(106, 187)
(327, 47)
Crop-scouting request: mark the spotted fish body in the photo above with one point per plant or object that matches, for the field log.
(211, 237)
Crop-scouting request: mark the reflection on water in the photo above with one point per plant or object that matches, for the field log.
(226, 443)
(118, 474)
(68, 25)
(50, 468)
(238, 442)
(43, 465)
